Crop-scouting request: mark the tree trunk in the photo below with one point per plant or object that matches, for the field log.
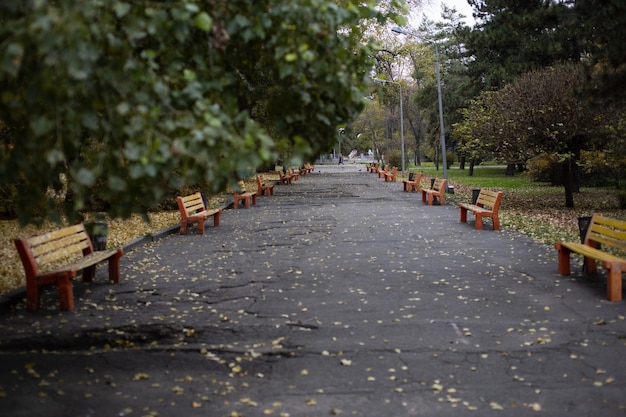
(510, 170)
(567, 182)
(575, 171)
(471, 168)
(417, 136)
(462, 162)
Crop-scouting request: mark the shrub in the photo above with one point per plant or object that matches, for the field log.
(395, 158)
(450, 158)
(541, 168)
(8, 210)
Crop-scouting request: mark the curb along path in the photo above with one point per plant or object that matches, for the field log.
(339, 295)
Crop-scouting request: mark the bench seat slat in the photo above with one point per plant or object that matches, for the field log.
(590, 252)
(89, 260)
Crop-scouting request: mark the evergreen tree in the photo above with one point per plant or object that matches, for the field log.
(602, 26)
(515, 36)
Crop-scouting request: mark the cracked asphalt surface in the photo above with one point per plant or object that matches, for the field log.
(339, 295)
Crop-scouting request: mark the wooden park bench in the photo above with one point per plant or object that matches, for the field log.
(242, 195)
(263, 188)
(382, 172)
(372, 167)
(436, 192)
(284, 178)
(294, 175)
(192, 209)
(392, 176)
(487, 205)
(310, 168)
(54, 258)
(413, 183)
(606, 232)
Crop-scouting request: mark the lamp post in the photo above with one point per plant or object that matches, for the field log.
(380, 80)
(441, 131)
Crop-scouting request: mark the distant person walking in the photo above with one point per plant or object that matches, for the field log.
(340, 159)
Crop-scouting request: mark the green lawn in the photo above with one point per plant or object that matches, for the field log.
(484, 176)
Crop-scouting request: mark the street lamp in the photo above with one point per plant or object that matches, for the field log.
(401, 31)
(380, 80)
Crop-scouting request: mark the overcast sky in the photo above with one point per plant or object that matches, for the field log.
(432, 9)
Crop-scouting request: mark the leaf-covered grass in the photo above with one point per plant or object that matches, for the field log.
(484, 176)
(535, 209)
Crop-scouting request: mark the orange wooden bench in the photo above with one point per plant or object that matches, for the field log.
(284, 178)
(242, 195)
(192, 210)
(263, 188)
(605, 231)
(54, 258)
(487, 205)
(382, 172)
(413, 183)
(372, 167)
(310, 168)
(392, 176)
(294, 175)
(437, 192)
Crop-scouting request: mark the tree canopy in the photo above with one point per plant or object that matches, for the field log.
(516, 36)
(124, 100)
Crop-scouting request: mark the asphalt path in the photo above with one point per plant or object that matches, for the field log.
(339, 295)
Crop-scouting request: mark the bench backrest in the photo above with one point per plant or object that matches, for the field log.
(190, 205)
(440, 184)
(242, 187)
(259, 182)
(489, 199)
(607, 231)
(56, 246)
